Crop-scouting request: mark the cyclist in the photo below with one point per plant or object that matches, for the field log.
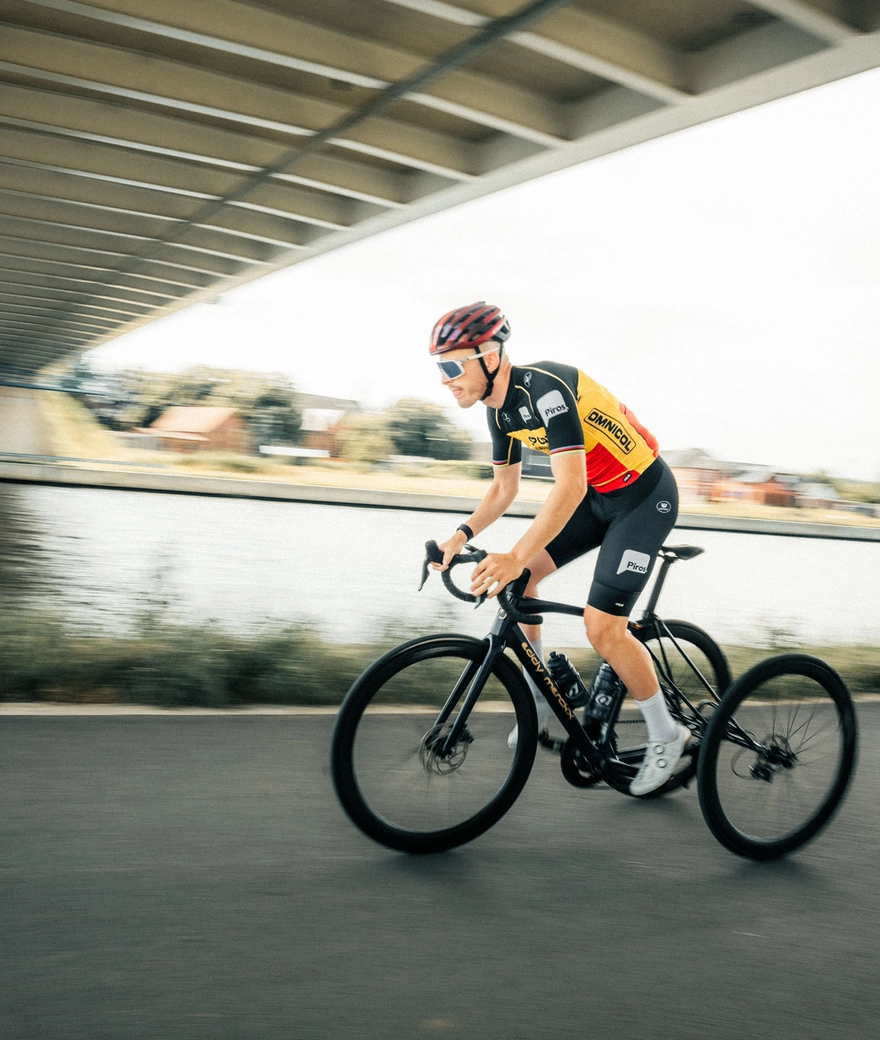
(610, 490)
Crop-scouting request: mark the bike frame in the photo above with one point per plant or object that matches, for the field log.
(506, 632)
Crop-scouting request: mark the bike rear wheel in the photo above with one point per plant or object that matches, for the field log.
(691, 669)
(777, 756)
(396, 778)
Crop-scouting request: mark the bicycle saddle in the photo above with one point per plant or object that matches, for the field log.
(680, 552)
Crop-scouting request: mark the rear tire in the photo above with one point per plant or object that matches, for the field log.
(777, 756)
(394, 778)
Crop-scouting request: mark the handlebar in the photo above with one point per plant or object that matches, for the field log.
(509, 597)
(434, 554)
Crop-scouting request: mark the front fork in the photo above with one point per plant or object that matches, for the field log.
(506, 632)
(474, 684)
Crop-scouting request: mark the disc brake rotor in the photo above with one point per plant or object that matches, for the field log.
(437, 760)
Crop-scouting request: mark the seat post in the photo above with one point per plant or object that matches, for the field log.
(666, 562)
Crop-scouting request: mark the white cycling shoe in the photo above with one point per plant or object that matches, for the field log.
(545, 713)
(659, 764)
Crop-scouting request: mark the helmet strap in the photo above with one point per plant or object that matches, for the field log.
(490, 376)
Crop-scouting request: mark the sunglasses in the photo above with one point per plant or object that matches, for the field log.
(454, 369)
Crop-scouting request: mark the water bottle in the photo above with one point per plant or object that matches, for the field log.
(603, 694)
(565, 676)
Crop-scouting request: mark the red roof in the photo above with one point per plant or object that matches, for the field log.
(192, 419)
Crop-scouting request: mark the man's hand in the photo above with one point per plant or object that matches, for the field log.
(498, 570)
(451, 547)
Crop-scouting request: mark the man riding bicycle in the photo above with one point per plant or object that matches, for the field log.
(610, 490)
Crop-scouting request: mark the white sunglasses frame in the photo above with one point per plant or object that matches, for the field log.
(460, 362)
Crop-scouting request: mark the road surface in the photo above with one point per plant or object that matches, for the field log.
(192, 878)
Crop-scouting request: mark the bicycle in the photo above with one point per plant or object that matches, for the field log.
(420, 760)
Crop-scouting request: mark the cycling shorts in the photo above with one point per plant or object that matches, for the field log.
(629, 527)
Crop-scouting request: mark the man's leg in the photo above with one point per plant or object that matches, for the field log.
(632, 662)
(613, 641)
(626, 558)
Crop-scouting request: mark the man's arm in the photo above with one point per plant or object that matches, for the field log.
(569, 488)
(497, 500)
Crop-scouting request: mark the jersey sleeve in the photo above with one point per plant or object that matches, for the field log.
(556, 404)
(506, 451)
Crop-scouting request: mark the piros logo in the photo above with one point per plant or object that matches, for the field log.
(608, 425)
(533, 657)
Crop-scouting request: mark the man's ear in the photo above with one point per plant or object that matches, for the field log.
(493, 360)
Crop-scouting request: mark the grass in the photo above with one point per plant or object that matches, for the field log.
(45, 658)
(42, 658)
(73, 431)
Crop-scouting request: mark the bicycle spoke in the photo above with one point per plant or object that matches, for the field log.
(413, 774)
(777, 757)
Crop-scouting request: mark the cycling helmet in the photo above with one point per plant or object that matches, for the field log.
(469, 327)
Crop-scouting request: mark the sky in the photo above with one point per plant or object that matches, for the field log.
(723, 282)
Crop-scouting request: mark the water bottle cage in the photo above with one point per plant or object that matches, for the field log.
(600, 705)
(606, 691)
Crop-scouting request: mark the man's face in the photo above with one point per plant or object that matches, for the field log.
(469, 388)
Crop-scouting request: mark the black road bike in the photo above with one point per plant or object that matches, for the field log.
(420, 758)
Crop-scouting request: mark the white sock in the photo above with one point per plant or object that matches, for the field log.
(662, 727)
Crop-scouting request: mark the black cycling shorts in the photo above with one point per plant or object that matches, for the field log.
(630, 525)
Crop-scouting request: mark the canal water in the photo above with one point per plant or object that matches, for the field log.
(104, 557)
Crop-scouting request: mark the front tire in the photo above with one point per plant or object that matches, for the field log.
(394, 776)
(777, 756)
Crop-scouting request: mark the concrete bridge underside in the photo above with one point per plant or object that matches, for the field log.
(155, 153)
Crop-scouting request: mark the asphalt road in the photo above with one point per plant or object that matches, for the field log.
(193, 877)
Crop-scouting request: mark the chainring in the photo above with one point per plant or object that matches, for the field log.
(576, 770)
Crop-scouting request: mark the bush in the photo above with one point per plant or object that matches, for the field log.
(43, 658)
(222, 460)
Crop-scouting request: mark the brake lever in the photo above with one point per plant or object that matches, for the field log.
(432, 555)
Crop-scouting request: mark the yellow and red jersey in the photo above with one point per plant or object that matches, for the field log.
(555, 408)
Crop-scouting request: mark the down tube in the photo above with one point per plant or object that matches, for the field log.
(534, 666)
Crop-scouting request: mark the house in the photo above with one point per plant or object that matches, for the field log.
(756, 484)
(817, 496)
(702, 478)
(322, 417)
(191, 428)
(696, 473)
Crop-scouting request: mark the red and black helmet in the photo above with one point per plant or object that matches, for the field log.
(469, 327)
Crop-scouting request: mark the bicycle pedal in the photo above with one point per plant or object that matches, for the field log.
(550, 743)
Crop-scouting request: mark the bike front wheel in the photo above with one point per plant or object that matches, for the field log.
(396, 773)
(777, 756)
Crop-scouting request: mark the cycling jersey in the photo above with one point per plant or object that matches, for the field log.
(556, 408)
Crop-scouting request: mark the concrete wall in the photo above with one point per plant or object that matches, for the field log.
(22, 429)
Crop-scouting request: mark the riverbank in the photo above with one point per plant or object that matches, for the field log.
(65, 446)
(446, 487)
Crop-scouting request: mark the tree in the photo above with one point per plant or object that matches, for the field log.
(421, 428)
(268, 401)
(364, 438)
